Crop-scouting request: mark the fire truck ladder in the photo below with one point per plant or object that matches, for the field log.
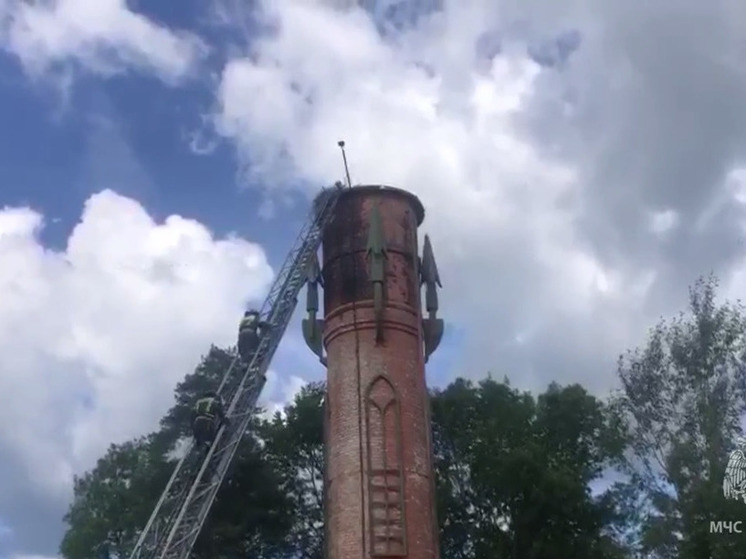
(181, 511)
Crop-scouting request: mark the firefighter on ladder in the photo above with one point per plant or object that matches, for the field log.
(208, 416)
(250, 332)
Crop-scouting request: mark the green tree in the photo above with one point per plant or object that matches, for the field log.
(513, 472)
(683, 396)
(512, 475)
(294, 441)
(113, 502)
(251, 514)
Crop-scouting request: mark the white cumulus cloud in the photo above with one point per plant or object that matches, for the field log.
(104, 36)
(94, 338)
(428, 111)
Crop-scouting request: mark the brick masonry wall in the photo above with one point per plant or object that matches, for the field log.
(380, 500)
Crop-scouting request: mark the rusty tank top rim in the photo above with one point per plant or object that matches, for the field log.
(362, 190)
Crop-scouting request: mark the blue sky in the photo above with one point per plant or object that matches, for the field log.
(130, 133)
(577, 176)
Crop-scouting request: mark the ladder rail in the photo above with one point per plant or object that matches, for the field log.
(163, 498)
(184, 505)
(167, 499)
(279, 307)
(184, 533)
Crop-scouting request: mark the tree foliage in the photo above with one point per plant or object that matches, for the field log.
(295, 451)
(512, 475)
(683, 396)
(113, 502)
(513, 472)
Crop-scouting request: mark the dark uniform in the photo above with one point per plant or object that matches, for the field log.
(208, 416)
(250, 331)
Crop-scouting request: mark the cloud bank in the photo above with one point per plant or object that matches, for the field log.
(94, 338)
(104, 37)
(445, 107)
(580, 167)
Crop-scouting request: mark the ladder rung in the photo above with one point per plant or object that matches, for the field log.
(178, 517)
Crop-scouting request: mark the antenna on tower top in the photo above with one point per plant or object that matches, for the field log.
(341, 144)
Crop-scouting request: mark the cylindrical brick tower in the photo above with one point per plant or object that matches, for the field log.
(380, 498)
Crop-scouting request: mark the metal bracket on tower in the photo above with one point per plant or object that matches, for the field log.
(377, 255)
(312, 326)
(433, 326)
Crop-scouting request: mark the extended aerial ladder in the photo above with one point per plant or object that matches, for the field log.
(185, 503)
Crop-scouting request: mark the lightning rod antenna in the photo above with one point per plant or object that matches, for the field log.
(341, 144)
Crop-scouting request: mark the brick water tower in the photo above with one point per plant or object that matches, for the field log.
(380, 498)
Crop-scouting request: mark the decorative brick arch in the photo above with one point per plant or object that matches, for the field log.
(386, 515)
